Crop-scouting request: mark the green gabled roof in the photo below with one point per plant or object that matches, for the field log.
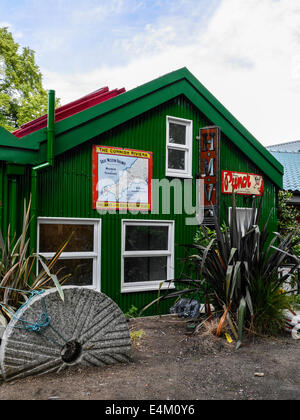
(16, 151)
(98, 119)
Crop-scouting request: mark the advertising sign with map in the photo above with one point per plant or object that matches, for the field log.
(121, 179)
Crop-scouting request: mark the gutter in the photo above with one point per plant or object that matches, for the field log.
(35, 170)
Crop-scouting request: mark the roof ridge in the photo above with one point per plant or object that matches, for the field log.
(69, 109)
(282, 144)
(285, 151)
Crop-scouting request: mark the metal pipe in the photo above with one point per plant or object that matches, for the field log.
(1, 196)
(5, 200)
(13, 207)
(50, 128)
(36, 169)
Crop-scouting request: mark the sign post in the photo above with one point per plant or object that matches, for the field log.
(209, 169)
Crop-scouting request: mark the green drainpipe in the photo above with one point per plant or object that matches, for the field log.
(13, 206)
(36, 169)
(1, 197)
(50, 128)
(5, 201)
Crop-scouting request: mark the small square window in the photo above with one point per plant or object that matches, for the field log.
(179, 147)
(176, 159)
(177, 133)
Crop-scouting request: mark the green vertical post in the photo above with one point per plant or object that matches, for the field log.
(1, 197)
(50, 128)
(36, 169)
(33, 210)
(13, 206)
(5, 201)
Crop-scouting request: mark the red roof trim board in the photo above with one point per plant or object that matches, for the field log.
(69, 109)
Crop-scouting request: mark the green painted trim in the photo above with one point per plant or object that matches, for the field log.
(232, 120)
(51, 127)
(5, 202)
(34, 203)
(80, 133)
(12, 207)
(166, 82)
(33, 210)
(21, 151)
(13, 169)
(89, 123)
(1, 195)
(9, 140)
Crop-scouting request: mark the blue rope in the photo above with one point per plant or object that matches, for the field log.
(41, 324)
(43, 321)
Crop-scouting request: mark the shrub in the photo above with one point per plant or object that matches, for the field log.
(239, 273)
(18, 279)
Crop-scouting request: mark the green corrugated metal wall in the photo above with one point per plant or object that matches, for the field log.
(66, 189)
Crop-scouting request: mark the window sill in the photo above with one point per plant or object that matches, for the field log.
(145, 288)
(178, 175)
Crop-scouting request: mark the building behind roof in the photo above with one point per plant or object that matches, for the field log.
(288, 154)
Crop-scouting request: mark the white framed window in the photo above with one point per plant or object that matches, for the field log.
(147, 254)
(81, 257)
(179, 147)
(244, 217)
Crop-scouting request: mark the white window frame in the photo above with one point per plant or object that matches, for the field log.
(187, 148)
(247, 213)
(148, 285)
(95, 255)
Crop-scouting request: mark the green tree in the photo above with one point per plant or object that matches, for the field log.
(287, 217)
(22, 96)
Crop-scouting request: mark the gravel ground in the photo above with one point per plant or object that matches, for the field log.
(169, 364)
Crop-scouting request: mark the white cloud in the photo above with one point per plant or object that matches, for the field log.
(11, 28)
(98, 13)
(247, 55)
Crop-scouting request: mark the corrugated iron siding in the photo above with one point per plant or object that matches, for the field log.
(66, 190)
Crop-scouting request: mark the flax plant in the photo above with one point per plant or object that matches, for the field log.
(237, 269)
(18, 276)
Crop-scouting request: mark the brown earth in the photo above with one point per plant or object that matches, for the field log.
(168, 363)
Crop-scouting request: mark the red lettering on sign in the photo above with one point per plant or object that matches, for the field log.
(242, 183)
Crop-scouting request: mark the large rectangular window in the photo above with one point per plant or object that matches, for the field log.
(179, 147)
(81, 257)
(147, 254)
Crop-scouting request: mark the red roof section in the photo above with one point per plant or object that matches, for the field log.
(69, 109)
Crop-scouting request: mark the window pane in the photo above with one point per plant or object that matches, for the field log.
(146, 238)
(139, 269)
(81, 271)
(52, 236)
(176, 159)
(177, 133)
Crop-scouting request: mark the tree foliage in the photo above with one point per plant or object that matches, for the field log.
(22, 96)
(287, 217)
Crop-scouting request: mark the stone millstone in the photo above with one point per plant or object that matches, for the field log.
(87, 329)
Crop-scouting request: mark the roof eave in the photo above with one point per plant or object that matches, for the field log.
(72, 131)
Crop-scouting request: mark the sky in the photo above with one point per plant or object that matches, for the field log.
(246, 53)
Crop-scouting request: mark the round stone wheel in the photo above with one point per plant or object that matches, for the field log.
(87, 328)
